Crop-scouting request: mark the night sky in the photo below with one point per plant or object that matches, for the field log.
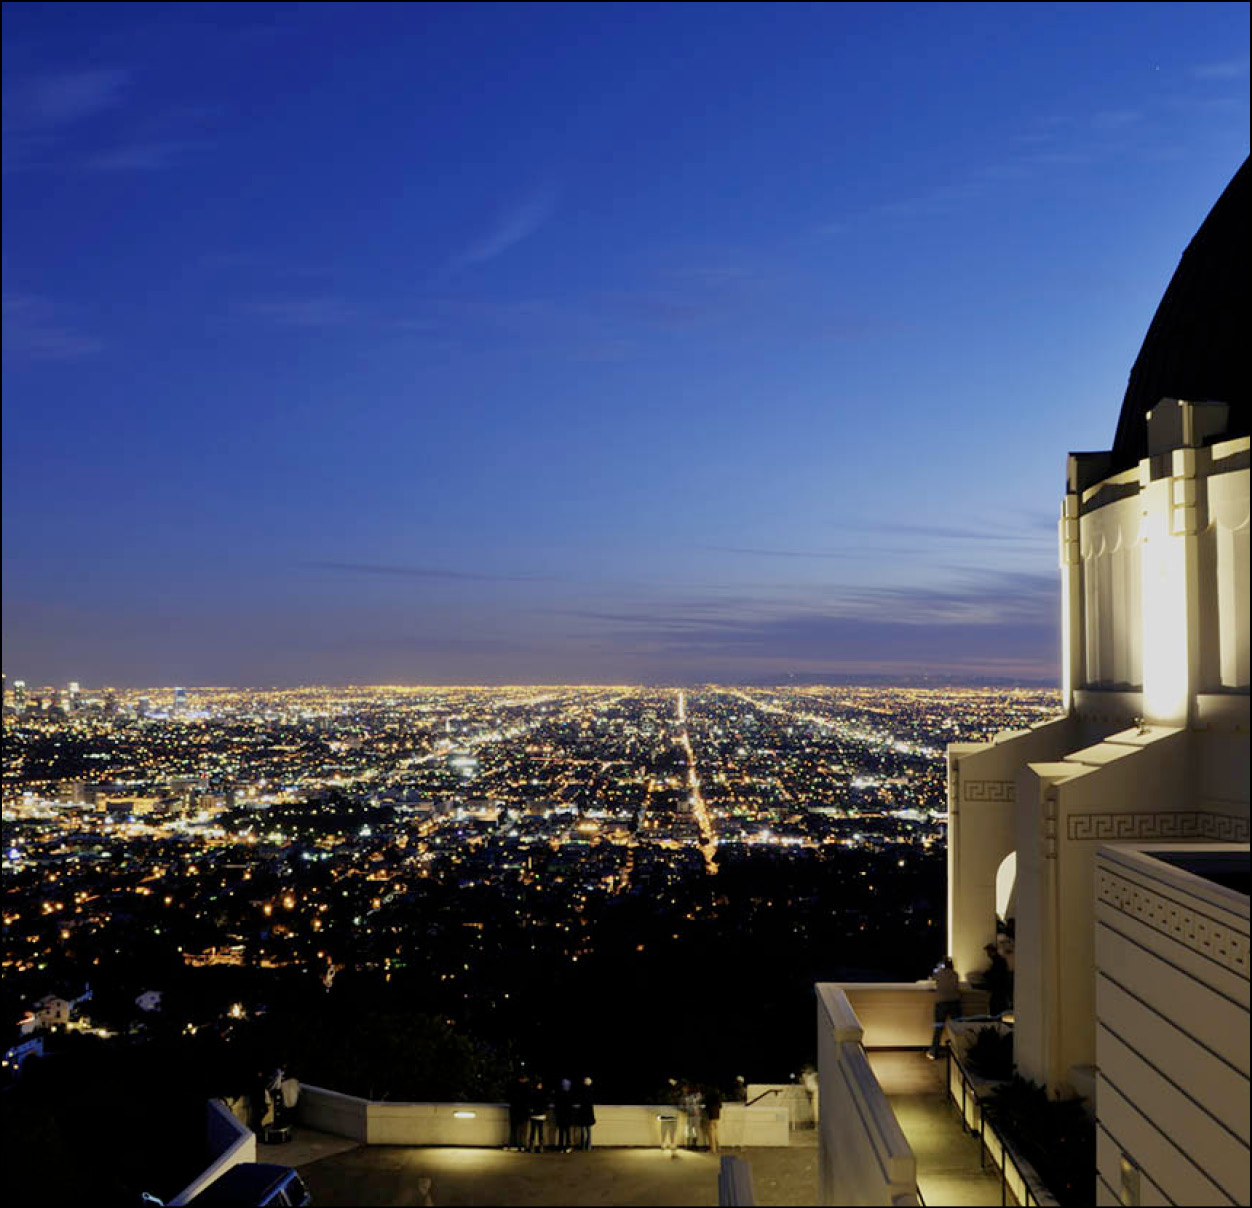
(481, 343)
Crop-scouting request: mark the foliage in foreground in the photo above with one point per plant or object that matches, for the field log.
(990, 1055)
(1056, 1136)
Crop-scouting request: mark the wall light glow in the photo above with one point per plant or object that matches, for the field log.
(1164, 570)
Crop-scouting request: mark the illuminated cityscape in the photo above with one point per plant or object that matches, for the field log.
(537, 632)
(548, 875)
(308, 829)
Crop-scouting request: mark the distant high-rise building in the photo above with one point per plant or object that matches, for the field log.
(144, 706)
(19, 696)
(180, 701)
(73, 696)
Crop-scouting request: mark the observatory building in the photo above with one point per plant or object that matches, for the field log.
(1127, 818)
(1112, 842)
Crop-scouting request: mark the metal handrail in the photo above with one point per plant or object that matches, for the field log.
(773, 1090)
(1007, 1152)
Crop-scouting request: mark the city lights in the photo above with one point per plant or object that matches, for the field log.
(290, 828)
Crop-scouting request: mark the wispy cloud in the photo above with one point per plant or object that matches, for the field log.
(303, 312)
(141, 156)
(537, 326)
(991, 623)
(42, 110)
(49, 115)
(971, 596)
(1221, 69)
(56, 99)
(33, 332)
(419, 572)
(781, 553)
(1111, 121)
(514, 223)
(1029, 533)
(982, 617)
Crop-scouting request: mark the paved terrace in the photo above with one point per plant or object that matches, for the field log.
(342, 1172)
(948, 1169)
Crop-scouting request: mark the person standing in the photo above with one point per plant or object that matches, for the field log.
(668, 1117)
(563, 1110)
(538, 1116)
(519, 1112)
(998, 981)
(274, 1093)
(584, 1114)
(947, 1000)
(691, 1109)
(259, 1101)
(712, 1114)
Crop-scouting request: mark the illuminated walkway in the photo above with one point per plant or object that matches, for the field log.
(948, 1170)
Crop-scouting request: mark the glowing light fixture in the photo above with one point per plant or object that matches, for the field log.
(464, 1115)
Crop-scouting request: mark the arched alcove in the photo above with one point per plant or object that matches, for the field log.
(1006, 888)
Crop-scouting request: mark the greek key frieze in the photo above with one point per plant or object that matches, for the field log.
(1166, 824)
(998, 791)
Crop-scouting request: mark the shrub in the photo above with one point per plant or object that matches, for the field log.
(991, 1053)
(1054, 1135)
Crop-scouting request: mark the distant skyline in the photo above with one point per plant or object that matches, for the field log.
(476, 344)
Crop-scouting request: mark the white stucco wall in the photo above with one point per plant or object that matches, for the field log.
(1225, 606)
(863, 1156)
(982, 828)
(388, 1123)
(1172, 1043)
(1111, 552)
(1156, 615)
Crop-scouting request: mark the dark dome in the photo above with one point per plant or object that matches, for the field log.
(1197, 347)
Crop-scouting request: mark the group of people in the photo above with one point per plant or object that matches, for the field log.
(702, 1111)
(997, 980)
(562, 1119)
(565, 1115)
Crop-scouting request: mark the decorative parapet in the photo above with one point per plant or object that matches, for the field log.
(1202, 917)
(1172, 1000)
(487, 1124)
(884, 1015)
(863, 1156)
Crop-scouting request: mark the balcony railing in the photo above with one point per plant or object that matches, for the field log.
(1019, 1182)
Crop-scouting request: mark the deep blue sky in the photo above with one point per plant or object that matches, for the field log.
(487, 343)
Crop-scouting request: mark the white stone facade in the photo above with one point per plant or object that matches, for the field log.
(1152, 746)
(1171, 1031)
